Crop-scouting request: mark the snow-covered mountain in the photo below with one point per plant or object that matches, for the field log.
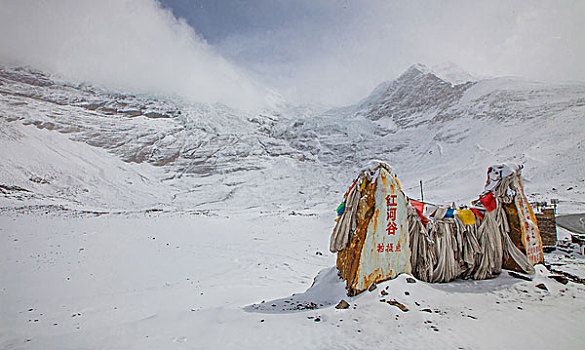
(144, 222)
(420, 96)
(163, 152)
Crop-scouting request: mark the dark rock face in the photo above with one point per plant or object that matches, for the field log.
(414, 93)
(547, 225)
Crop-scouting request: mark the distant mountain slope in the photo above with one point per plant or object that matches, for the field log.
(40, 167)
(412, 98)
(212, 156)
(419, 96)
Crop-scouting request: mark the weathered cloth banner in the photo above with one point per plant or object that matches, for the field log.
(530, 232)
(420, 209)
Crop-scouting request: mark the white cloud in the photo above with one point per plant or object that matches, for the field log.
(332, 51)
(122, 43)
(339, 56)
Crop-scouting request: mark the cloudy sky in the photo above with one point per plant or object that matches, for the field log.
(330, 52)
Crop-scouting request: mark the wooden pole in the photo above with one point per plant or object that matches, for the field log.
(422, 198)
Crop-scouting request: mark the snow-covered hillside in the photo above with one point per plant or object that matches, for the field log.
(428, 128)
(145, 222)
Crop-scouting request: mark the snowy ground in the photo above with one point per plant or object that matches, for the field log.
(184, 281)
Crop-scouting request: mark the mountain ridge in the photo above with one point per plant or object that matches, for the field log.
(416, 91)
(212, 155)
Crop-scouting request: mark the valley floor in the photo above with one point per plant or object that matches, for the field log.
(186, 281)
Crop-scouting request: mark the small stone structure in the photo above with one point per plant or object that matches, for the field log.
(548, 227)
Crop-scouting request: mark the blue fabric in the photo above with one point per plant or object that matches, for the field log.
(341, 209)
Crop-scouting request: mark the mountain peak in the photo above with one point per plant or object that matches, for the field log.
(416, 70)
(419, 67)
(452, 73)
(447, 72)
(406, 99)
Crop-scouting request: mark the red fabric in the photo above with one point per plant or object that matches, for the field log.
(419, 206)
(488, 201)
(478, 213)
(350, 187)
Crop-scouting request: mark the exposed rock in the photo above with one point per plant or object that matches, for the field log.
(541, 286)
(342, 305)
(560, 279)
(519, 276)
(305, 306)
(398, 305)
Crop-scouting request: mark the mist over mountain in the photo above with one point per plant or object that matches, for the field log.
(247, 54)
(132, 45)
(203, 155)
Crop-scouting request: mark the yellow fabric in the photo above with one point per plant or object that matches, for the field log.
(363, 186)
(466, 216)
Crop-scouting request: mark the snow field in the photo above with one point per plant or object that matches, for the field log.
(178, 281)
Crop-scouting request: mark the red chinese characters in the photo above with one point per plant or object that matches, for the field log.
(391, 214)
(391, 207)
(391, 226)
(389, 248)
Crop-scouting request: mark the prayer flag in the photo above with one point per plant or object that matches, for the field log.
(450, 213)
(466, 216)
(341, 209)
(478, 213)
(429, 210)
(419, 206)
(489, 201)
